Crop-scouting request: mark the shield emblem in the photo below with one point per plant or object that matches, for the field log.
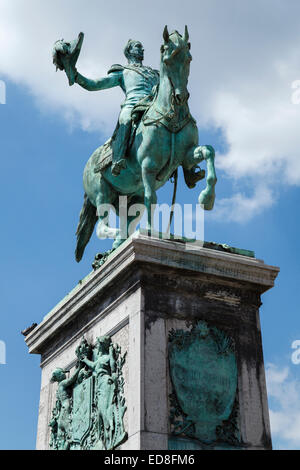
(82, 409)
(203, 371)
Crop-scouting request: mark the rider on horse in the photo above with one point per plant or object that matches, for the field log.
(165, 138)
(136, 80)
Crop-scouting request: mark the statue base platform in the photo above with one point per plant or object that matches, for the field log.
(187, 317)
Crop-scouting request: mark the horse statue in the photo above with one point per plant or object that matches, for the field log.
(165, 137)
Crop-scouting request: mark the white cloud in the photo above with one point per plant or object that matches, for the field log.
(284, 395)
(242, 208)
(246, 56)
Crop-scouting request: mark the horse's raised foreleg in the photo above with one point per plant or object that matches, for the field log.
(207, 196)
(195, 156)
(150, 198)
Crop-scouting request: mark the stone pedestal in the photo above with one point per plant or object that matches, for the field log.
(188, 318)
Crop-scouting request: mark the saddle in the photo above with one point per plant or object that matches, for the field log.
(103, 156)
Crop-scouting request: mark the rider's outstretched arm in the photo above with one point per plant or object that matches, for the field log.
(112, 80)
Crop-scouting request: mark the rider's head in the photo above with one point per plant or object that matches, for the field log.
(103, 343)
(134, 51)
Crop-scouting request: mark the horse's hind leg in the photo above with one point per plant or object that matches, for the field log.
(105, 201)
(135, 213)
(150, 199)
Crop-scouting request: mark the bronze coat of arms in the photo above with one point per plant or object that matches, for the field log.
(90, 404)
(203, 373)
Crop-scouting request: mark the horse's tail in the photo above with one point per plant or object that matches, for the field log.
(87, 221)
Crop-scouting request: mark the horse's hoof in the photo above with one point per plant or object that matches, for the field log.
(206, 200)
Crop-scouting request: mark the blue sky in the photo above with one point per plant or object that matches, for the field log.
(49, 130)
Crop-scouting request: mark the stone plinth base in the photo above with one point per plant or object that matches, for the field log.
(188, 318)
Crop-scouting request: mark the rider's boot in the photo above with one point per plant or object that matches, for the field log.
(119, 148)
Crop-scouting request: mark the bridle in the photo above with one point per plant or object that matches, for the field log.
(173, 111)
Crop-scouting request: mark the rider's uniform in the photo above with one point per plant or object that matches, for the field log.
(137, 82)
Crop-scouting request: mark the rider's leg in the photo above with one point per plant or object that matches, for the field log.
(121, 140)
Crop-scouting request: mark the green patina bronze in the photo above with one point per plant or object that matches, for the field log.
(155, 135)
(203, 372)
(90, 405)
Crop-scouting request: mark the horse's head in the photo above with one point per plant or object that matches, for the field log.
(176, 57)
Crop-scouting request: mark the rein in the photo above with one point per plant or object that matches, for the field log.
(169, 115)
